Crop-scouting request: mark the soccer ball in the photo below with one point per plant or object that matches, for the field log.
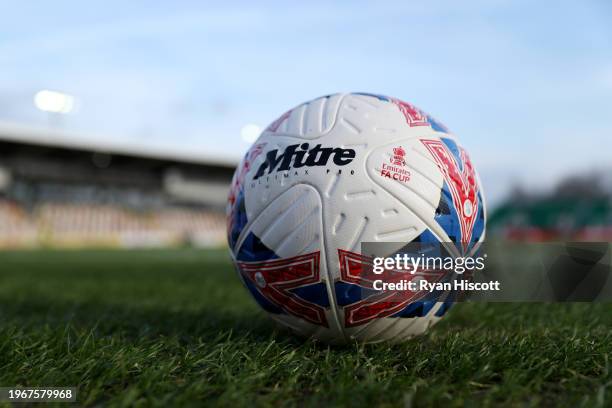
(328, 175)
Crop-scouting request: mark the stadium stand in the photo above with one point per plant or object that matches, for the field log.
(579, 209)
(56, 190)
(16, 227)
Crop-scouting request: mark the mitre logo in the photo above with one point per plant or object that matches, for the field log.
(301, 155)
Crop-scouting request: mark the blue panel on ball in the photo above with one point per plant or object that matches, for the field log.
(416, 309)
(479, 225)
(454, 149)
(348, 293)
(446, 215)
(444, 308)
(316, 294)
(261, 300)
(237, 219)
(253, 250)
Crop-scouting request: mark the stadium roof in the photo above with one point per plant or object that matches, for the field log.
(18, 133)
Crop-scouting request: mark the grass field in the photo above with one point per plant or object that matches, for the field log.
(176, 327)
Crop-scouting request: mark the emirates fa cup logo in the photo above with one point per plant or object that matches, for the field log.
(398, 158)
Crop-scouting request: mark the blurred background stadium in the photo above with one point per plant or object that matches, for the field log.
(58, 191)
(121, 124)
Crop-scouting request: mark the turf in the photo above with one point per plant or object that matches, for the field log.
(163, 328)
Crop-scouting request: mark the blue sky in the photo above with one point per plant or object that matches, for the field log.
(527, 86)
